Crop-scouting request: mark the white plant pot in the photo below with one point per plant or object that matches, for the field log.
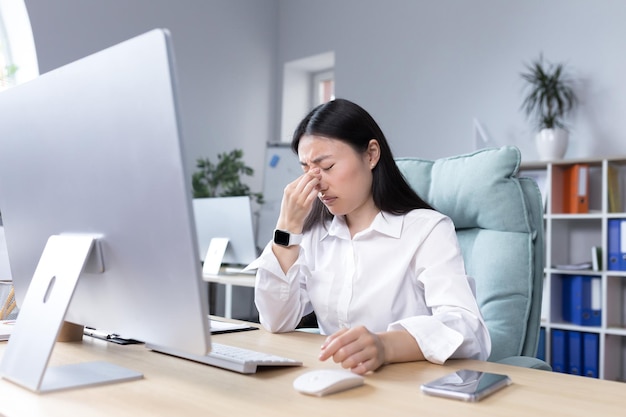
(551, 144)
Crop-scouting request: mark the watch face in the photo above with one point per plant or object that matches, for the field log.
(281, 238)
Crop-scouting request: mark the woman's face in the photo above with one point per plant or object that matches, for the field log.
(346, 176)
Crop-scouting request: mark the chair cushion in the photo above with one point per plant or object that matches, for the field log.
(482, 195)
(470, 188)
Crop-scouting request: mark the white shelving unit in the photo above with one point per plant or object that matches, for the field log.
(568, 240)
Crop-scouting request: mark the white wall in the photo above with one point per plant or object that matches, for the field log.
(225, 54)
(426, 68)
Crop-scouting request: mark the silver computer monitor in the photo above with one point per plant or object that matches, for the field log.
(230, 218)
(93, 150)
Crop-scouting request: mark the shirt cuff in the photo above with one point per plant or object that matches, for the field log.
(437, 341)
(267, 260)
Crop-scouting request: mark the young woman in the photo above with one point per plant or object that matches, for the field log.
(353, 242)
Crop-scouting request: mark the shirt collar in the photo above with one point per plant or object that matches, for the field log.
(384, 223)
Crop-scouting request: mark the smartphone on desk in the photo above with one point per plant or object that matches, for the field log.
(466, 385)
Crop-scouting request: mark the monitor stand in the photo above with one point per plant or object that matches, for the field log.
(25, 360)
(214, 255)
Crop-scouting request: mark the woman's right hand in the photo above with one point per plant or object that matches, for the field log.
(298, 198)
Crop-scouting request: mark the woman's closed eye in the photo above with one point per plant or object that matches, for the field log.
(327, 168)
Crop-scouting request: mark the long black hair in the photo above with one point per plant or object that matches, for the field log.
(348, 122)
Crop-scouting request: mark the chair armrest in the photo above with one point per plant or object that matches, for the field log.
(526, 362)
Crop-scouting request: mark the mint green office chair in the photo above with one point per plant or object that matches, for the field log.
(499, 221)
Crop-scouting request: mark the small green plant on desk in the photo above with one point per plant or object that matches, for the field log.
(224, 178)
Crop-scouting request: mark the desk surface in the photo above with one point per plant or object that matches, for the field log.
(242, 280)
(176, 387)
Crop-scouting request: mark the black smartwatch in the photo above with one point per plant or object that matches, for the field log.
(284, 238)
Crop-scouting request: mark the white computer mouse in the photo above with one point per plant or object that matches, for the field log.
(327, 381)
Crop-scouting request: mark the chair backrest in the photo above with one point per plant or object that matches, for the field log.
(499, 222)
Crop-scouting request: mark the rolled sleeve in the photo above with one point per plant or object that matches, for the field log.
(277, 295)
(452, 334)
(437, 341)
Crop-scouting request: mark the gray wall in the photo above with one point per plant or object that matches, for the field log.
(225, 51)
(426, 68)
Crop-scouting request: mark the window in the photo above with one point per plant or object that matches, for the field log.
(307, 82)
(18, 59)
(323, 84)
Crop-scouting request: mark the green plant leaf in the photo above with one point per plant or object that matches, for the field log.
(224, 178)
(550, 93)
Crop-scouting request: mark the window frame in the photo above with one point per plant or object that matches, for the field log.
(318, 78)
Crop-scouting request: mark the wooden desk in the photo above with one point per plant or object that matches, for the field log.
(175, 387)
(242, 280)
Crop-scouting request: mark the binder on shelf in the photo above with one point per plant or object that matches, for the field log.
(576, 189)
(582, 300)
(575, 354)
(622, 245)
(591, 343)
(616, 245)
(592, 305)
(559, 350)
(614, 188)
(596, 258)
(568, 300)
(623, 320)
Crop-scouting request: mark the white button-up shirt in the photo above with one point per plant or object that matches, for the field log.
(403, 272)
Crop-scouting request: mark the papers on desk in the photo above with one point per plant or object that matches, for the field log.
(218, 327)
(583, 266)
(6, 327)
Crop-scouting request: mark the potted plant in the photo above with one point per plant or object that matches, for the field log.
(550, 97)
(224, 178)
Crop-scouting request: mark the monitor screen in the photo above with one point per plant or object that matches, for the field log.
(226, 217)
(94, 149)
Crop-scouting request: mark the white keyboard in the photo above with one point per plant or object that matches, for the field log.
(233, 358)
